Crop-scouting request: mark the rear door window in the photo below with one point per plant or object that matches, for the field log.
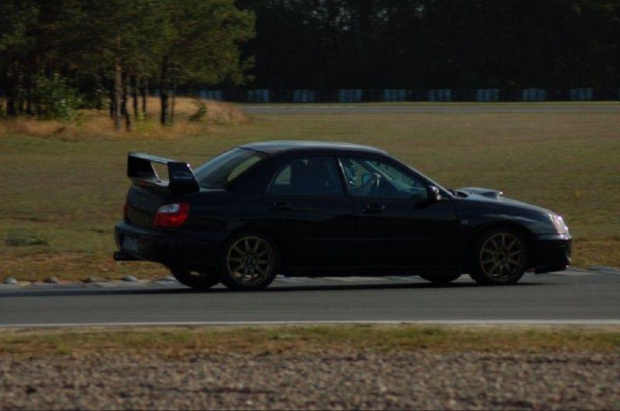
(308, 176)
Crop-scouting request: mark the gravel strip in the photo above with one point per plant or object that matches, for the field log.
(323, 380)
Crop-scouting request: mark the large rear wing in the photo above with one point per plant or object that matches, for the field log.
(181, 178)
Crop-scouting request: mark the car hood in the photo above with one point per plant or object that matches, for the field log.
(495, 196)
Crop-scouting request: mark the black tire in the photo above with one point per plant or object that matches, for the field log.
(195, 279)
(440, 278)
(500, 256)
(249, 261)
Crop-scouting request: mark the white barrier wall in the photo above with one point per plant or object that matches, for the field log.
(304, 96)
(259, 96)
(487, 95)
(440, 95)
(211, 94)
(581, 94)
(396, 95)
(350, 95)
(533, 94)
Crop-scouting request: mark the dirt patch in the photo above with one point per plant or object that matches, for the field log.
(330, 379)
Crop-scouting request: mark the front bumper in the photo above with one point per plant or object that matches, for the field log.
(552, 252)
(173, 248)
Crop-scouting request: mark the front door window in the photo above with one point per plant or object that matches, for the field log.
(371, 178)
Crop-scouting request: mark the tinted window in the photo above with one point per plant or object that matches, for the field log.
(224, 168)
(311, 176)
(376, 178)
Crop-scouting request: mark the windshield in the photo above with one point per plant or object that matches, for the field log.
(222, 169)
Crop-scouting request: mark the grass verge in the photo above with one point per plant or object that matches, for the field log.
(182, 341)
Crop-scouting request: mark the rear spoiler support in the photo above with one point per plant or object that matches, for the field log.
(181, 178)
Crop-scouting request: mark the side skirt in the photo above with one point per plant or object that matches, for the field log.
(368, 271)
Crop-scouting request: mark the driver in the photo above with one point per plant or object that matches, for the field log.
(350, 170)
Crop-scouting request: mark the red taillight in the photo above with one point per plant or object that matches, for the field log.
(171, 215)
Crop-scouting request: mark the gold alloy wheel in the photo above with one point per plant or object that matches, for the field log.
(250, 260)
(502, 257)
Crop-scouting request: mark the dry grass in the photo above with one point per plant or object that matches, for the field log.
(94, 125)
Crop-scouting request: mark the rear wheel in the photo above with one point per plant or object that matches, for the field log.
(195, 279)
(249, 262)
(499, 257)
(440, 278)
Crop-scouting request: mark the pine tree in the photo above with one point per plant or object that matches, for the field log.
(203, 46)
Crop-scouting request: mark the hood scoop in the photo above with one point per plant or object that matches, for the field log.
(485, 192)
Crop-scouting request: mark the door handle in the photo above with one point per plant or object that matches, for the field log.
(374, 208)
(282, 205)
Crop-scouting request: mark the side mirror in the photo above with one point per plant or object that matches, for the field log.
(433, 194)
(366, 178)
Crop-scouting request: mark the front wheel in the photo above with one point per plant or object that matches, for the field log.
(500, 257)
(440, 278)
(194, 279)
(249, 262)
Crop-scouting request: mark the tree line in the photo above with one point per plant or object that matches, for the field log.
(425, 44)
(58, 55)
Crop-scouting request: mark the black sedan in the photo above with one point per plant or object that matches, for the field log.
(317, 209)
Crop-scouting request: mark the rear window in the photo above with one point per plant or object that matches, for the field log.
(221, 170)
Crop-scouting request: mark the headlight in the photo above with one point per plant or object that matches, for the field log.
(559, 224)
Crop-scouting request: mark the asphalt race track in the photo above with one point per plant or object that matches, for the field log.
(454, 108)
(570, 297)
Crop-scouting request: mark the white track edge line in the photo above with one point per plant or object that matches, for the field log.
(595, 322)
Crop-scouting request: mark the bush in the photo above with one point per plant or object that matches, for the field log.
(56, 99)
(21, 238)
(201, 113)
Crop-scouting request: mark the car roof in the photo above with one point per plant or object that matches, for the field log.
(273, 147)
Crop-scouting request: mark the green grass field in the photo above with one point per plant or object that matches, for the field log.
(61, 196)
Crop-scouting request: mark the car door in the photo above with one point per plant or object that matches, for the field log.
(396, 225)
(308, 213)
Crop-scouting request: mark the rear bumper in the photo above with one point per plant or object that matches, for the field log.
(552, 253)
(173, 248)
